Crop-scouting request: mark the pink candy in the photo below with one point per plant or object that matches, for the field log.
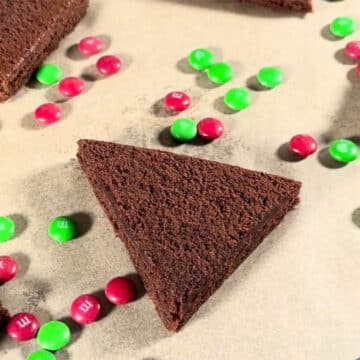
(303, 145)
(90, 45)
(210, 128)
(177, 101)
(85, 309)
(47, 114)
(357, 70)
(109, 65)
(352, 50)
(8, 268)
(120, 291)
(23, 326)
(71, 86)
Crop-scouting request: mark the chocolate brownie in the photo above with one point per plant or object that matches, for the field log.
(29, 31)
(291, 5)
(187, 223)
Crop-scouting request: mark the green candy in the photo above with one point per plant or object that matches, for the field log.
(343, 150)
(270, 77)
(201, 59)
(237, 99)
(53, 335)
(343, 26)
(49, 74)
(220, 73)
(7, 229)
(41, 355)
(62, 229)
(183, 129)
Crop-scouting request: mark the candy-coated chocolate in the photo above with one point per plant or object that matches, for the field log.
(7, 228)
(54, 335)
(343, 26)
(85, 309)
(201, 59)
(120, 291)
(109, 65)
(183, 129)
(71, 86)
(8, 268)
(210, 128)
(23, 326)
(41, 355)
(237, 99)
(90, 45)
(357, 70)
(62, 229)
(303, 145)
(47, 114)
(177, 101)
(270, 77)
(352, 50)
(49, 74)
(220, 73)
(343, 150)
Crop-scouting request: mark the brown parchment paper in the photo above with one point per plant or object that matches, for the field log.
(297, 296)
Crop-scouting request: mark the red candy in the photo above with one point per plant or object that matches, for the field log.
(358, 70)
(23, 326)
(47, 114)
(303, 145)
(85, 309)
(352, 50)
(177, 101)
(120, 291)
(90, 45)
(8, 268)
(71, 86)
(210, 128)
(109, 65)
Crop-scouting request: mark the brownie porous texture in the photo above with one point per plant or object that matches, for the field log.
(187, 223)
(289, 5)
(29, 31)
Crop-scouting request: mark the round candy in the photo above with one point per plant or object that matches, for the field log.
(303, 145)
(7, 229)
(41, 355)
(343, 150)
(91, 45)
(85, 309)
(62, 229)
(342, 26)
(49, 74)
(220, 73)
(177, 101)
(109, 65)
(71, 86)
(23, 326)
(47, 114)
(183, 129)
(270, 77)
(237, 99)
(8, 268)
(352, 50)
(53, 335)
(201, 59)
(120, 291)
(210, 128)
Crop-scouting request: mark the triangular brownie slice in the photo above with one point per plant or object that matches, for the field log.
(187, 223)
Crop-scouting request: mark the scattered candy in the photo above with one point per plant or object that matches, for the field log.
(220, 73)
(183, 129)
(85, 309)
(201, 59)
(7, 229)
(53, 335)
(352, 50)
(210, 128)
(357, 70)
(237, 99)
(270, 77)
(71, 86)
(49, 74)
(47, 114)
(8, 268)
(303, 145)
(109, 65)
(23, 326)
(90, 45)
(120, 291)
(343, 150)
(41, 355)
(342, 26)
(62, 229)
(177, 101)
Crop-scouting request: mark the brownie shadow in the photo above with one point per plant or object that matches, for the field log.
(326, 160)
(285, 154)
(165, 139)
(84, 222)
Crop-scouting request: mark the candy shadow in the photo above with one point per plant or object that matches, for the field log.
(23, 262)
(106, 306)
(84, 222)
(285, 154)
(183, 66)
(165, 139)
(327, 35)
(75, 328)
(159, 110)
(253, 84)
(203, 82)
(21, 223)
(327, 161)
(341, 57)
(220, 106)
(53, 95)
(28, 123)
(34, 84)
(355, 217)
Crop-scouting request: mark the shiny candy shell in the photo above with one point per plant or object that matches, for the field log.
(85, 309)
(8, 268)
(23, 326)
(177, 101)
(220, 73)
(303, 145)
(120, 291)
(343, 26)
(54, 335)
(62, 229)
(7, 228)
(71, 86)
(352, 50)
(41, 355)
(270, 77)
(109, 65)
(210, 128)
(49, 74)
(90, 45)
(237, 99)
(343, 150)
(201, 59)
(183, 129)
(47, 114)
